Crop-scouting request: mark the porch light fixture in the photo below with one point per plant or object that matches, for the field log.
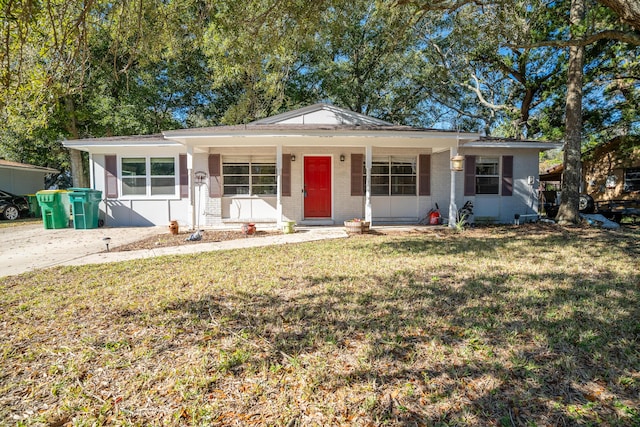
(342, 157)
(293, 157)
(457, 163)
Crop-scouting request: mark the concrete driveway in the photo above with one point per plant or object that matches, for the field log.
(29, 247)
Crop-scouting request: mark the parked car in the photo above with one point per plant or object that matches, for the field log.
(12, 206)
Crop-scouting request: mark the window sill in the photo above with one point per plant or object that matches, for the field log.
(148, 198)
(248, 196)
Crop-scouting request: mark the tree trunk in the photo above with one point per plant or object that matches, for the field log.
(78, 173)
(568, 211)
(627, 10)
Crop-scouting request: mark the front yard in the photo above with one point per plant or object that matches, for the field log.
(536, 325)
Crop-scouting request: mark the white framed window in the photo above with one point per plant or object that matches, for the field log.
(487, 175)
(148, 176)
(632, 179)
(249, 176)
(392, 176)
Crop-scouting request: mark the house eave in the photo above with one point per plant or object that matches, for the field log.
(27, 168)
(120, 141)
(513, 144)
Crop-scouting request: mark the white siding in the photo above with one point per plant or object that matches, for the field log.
(503, 208)
(130, 212)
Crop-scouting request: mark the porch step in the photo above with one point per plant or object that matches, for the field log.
(316, 222)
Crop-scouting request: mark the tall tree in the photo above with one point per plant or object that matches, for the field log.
(568, 212)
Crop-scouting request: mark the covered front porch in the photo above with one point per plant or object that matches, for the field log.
(319, 176)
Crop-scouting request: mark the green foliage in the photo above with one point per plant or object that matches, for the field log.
(73, 69)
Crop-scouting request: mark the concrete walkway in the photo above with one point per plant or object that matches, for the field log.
(301, 235)
(30, 247)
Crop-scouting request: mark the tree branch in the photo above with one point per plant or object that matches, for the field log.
(481, 98)
(441, 4)
(621, 36)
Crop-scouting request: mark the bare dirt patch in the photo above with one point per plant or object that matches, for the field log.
(208, 236)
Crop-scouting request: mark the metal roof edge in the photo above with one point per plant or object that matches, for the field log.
(7, 164)
(120, 141)
(512, 144)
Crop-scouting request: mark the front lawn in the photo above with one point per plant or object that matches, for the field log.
(19, 222)
(536, 325)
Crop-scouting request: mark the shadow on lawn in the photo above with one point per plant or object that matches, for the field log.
(473, 350)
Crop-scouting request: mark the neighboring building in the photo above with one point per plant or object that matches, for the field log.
(611, 171)
(318, 165)
(21, 178)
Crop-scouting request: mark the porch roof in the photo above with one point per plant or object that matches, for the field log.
(320, 135)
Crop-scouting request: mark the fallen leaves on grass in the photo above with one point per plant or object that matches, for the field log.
(495, 326)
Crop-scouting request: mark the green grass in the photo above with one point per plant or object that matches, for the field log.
(499, 326)
(19, 222)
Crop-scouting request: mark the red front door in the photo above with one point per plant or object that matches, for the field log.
(317, 187)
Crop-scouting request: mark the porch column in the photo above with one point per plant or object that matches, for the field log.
(453, 209)
(368, 214)
(92, 172)
(279, 184)
(192, 188)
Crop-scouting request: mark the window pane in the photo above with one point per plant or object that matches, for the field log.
(133, 166)
(166, 186)
(405, 185)
(380, 169)
(403, 180)
(263, 169)
(163, 166)
(487, 166)
(263, 179)
(264, 189)
(236, 180)
(379, 190)
(232, 190)
(134, 186)
(380, 180)
(487, 185)
(403, 166)
(402, 169)
(632, 179)
(235, 169)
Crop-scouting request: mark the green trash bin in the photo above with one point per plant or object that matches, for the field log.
(34, 206)
(54, 205)
(85, 204)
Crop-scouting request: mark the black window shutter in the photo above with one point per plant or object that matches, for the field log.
(424, 183)
(357, 187)
(470, 175)
(286, 175)
(111, 176)
(215, 189)
(184, 176)
(507, 175)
